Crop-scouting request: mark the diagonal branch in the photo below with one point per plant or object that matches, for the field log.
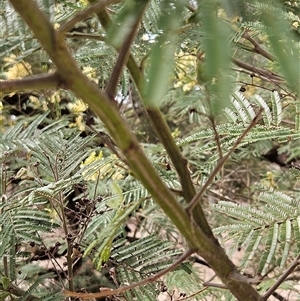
(122, 289)
(180, 164)
(282, 278)
(220, 164)
(254, 74)
(132, 66)
(95, 8)
(125, 51)
(257, 47)
(73, 79)
(265, 73)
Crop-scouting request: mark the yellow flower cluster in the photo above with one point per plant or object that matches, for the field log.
(16, 69)
(107, 169)
(186, 67)
(90, 73)
(269, 180)
(84, 2)
(78, 107)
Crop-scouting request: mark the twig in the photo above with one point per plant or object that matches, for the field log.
(95, 8)
(212, 284)
(265, 73)
(210, 279)
(104, 138)
(80, 35)
(257, 47)
(55, 263)
(135, 71)
(217, 136)
(245, 84)
(220, 164)
(110, 292)
(252, 74)
(192, 295)
(180, 164)
(282, 278)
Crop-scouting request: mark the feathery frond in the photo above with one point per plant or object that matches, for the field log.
(267, 230)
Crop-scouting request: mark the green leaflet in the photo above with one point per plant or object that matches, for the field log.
(265, 231)
(5, 282)
(104, 240)
(162, 55)
(285, 49)
(217, 57)
(130, 12)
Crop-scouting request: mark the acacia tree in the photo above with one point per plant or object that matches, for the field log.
(213, 77)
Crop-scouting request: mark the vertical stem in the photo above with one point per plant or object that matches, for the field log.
(165, 136)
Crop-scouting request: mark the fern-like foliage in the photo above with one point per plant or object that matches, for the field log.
(22, 134)
(239, 115)
(102, 234)
(54, 179)
(38, 171)
(148, 256)
(267, 230)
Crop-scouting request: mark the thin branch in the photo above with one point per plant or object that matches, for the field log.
(220, 164)
(293, 278)
(38, 82)
(125, 51)
(122, 289)
(180, 164)
(279, 297)
(252, 74)
(80, 35)
(282, 278)
(68, 240)
(213, 284)
(192, 295)
(265, 73)
(95, 8)
(104, 138)
(217, 136)
(245, 84)
(132, 66)
(257, 47)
